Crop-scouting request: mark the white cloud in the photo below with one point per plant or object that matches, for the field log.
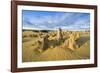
(64, 20)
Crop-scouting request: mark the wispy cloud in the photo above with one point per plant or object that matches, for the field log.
(52, 20)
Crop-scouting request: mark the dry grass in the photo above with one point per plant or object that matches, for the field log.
(32, 42)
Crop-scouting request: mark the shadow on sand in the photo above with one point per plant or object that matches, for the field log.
(80, 41)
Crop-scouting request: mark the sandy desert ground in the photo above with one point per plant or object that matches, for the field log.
(74, 45)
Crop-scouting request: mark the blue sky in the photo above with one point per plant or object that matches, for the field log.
(47, 20)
